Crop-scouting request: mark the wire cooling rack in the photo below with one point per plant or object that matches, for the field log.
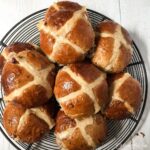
(118, 131)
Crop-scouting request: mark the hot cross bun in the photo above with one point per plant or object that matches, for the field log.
(80, 134)
(27, 76)
(15, 47)
(125, 94)
(27, 125)
(114, 51)
(66, 33)
(81, 89)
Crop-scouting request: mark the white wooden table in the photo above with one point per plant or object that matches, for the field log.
(134, 15)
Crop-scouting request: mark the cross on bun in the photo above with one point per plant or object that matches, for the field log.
(81, 89)
(125, 94)
(114, 50)
(16, 48)
(27, 125)
(27, 76)
(66, 33)
(79, 134)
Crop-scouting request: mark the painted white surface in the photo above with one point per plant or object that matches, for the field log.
(134, 15)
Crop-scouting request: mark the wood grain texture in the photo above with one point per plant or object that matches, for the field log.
(134, 15)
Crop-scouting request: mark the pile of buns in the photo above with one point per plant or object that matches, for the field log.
(89, 90)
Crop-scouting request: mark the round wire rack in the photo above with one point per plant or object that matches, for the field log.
(118, 131)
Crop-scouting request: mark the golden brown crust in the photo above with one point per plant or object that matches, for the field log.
(103, 55)
(27, 125)
(59, 18)
(72, 134)
(76, 142)
(51, 77)
(66, 54)
(56, 18)
(50, 11)
(63, 122)
(13, 77)
(18, 47)
(72, 6)
(33, 96)
(11, 117)
(28, 76)
(45, 45)
(100, 127)
(82, 35)
(131, 92)
(81, 89)
(35, 59)
(65, 84)
(100, 92)
(114, 49)
(107, 26)
(125, 94)
(125, 58)
(66, 33)
(2, 62)
(81, 105)
(86, 70)
(117, 110)
(32, 129)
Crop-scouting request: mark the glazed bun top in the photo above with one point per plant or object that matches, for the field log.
(125, 96)
(81, 134)
(14, 48)
(27, 75)
(66, 33)
(59, 13)
(18, 47)
(27, 125)
(114, 51)
(81, 89)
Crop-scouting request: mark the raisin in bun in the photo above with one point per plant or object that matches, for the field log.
(81, 89)
(79, 134)
(14, 48)
(66, 33)
(114, 50)
(126, 95)
(27, 125)
(27, 75)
